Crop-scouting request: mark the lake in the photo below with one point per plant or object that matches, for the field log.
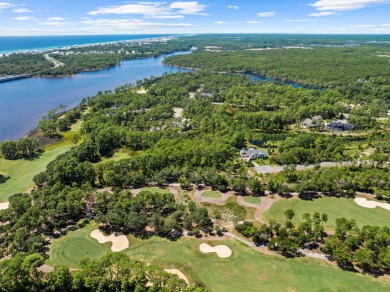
(24, 102)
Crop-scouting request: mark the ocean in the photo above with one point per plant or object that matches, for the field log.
(11, 44)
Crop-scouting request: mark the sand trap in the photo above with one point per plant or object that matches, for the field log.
(179, 273)
(45, 269)
(119, 241)
(363, 202)
(4, 205)
(222, 251)
(178, 112)
(141, 91)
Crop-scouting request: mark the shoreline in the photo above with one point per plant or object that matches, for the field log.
(34, 75)
(33, 131)
(262, 77)
(68, 47)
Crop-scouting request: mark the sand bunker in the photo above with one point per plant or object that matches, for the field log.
(179, 273)
(178, 112)
(119, 241)
(4, 205)
(141, 91)
(371, 204)
(222, 251)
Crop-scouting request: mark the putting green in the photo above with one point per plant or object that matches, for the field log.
(246, 270)
(334, 207)
(72, 247)
(252, 200)
(212, 195)
(157, 190)
(22, 171)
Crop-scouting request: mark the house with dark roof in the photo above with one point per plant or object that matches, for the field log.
(312, 123)
(252, 154)
(340, 125)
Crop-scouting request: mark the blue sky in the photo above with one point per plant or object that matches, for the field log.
(51, 17)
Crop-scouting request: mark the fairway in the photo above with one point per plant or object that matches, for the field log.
(252, 200)
(334, 207)
(22, 172)
(120, 154)
(245, 270)
(212, 195)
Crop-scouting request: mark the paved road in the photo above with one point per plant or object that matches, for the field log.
(300, 167)
(252, 245)
(243, 240)
(54, 61)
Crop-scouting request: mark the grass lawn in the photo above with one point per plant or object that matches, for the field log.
(252, 200)
(121, 154)
(334, 207)
(246, 270)
(211, 194)
(157, 190)
(22, 171)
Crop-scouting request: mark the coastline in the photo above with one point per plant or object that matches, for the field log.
(68, 47)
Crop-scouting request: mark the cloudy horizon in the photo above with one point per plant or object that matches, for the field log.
(43, 17)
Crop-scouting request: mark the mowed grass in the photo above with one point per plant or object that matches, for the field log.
(22, 171)
(212, 195)
(334, 207)
(252, 200)
(71, 248)
(157, 190)
(121, 154)
(245, 270)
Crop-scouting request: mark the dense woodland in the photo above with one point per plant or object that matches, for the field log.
(222, 113)
(113, 272)
(352, 248)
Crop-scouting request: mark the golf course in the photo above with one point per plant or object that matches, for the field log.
(22, 171)
(211, 195)
(245, 270)
(334, 207)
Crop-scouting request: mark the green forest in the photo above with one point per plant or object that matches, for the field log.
(188, 129)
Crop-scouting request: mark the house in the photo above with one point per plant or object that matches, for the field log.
(340, 125)
(313, 122)
(252, 154)
(206, 94)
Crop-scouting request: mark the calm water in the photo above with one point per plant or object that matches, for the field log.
(24, 102)
(22, 43)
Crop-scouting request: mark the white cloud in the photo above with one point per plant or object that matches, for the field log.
(187, 7)
(55, 18)
(266, 14)
(324, 13)
(22, 18)
(233, 7)
(220, 22)
(153, 9)
(5, 5)
(299, 20)
(340, 5)
(167, 16)
(253, 22)
(55, 21)
(131, 24)
(371, 25)
(21, 10)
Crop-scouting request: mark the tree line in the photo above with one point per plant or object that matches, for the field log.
(365, 250)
